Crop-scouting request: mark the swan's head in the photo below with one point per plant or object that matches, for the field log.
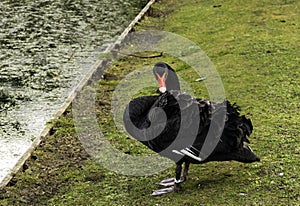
(166, 77)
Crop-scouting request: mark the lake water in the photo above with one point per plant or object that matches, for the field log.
(45, 48)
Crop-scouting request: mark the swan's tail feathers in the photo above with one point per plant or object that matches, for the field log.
(235, 136)
(246, 155)
(248, 127)
(237, 126)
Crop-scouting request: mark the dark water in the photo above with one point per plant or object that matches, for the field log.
(45, 47)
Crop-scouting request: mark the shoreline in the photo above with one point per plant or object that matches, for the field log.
(99, 65)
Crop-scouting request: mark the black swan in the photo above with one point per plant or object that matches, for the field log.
(181, 128)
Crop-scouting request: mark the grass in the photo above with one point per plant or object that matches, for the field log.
(255, 47)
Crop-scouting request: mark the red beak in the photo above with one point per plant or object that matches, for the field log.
(162, 82)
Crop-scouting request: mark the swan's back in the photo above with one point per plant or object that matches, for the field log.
(174, 121)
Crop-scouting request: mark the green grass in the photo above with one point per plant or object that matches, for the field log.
(255, 48)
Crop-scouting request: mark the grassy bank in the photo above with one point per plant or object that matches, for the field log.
(255, 48)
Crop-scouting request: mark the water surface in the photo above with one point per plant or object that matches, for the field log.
(45, 48)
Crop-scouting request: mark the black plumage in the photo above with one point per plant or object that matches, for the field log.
(185, 129)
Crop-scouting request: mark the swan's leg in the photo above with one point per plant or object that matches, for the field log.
(177, 177)
(185, 172)
(173, 182)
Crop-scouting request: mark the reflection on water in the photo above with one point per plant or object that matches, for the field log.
(45, 47)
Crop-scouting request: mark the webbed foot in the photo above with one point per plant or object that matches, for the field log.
(163, 191)
(167, 182)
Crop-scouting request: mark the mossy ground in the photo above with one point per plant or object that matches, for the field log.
(255, 48)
